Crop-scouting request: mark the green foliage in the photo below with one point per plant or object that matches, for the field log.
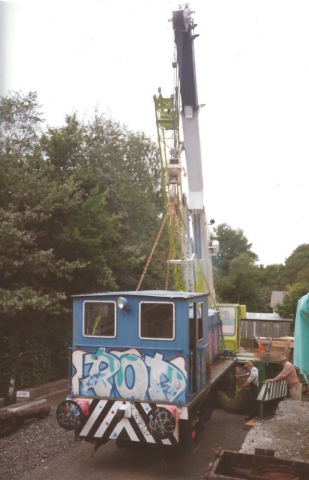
(20, 124)
(232, 243)
(294, 292)
(295, 276)
(237, 278)
(297, 265)
(272, 276)
(105, 158)
(80, 207)
(241, 284)
(36, 350)
(30, 200)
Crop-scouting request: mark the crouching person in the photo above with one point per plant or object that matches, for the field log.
(252, 382)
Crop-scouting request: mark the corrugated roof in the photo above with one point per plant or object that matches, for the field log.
(269, 317)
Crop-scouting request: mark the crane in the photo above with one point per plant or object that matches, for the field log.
(147, 366)
(183, 106)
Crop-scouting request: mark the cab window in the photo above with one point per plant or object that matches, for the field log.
(200, 321)
(157, 320)
(100, 319)
(228, 316)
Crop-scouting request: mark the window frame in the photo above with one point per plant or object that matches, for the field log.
(228, 307)
(140, 323)
(115, 319)
(198, 318)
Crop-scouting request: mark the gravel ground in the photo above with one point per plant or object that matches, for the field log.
(35, 442)
(39, 441)
(287, 433)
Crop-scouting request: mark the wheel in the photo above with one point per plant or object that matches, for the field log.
(233, 402)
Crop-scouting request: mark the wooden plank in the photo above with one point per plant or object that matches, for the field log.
(27, 406)
(11, 421)
(251, 423)
(275, 343)
(35, 411)
(272, 355)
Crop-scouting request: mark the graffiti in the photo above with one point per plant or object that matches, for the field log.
(97, 372)
(141, 424)
(166, 381)
(68, 415)
(161, 423)
(129, 375)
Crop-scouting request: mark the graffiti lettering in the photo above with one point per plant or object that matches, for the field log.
(167, 383)
(68, 415)
(98, 369)
(161, 422)
(141, 424)
(129, 375)
(129, 378)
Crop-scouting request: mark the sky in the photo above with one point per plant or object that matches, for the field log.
(252, 65)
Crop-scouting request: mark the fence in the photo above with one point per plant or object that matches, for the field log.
(265, 325)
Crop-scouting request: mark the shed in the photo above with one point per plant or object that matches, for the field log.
(265, 325)
(276, 297)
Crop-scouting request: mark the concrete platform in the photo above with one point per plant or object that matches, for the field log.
(286, 433)
(42, 390)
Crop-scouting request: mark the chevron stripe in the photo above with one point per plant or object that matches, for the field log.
(94, 413)
(147, 407)
(109, 432)
(103, 422)
(173, 437)
(126, 425)
(137, 429)
(130, 425)
(108, 418)
(142, 423)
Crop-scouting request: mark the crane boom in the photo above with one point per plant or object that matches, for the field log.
(184, 39)
(183, 104)
(184, 26)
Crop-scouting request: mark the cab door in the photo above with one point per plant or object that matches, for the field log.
(202, 345)
(198, 346)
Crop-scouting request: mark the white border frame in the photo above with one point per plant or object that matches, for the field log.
(203, 321)
(228, 334)
(115, 321)
(152, 338)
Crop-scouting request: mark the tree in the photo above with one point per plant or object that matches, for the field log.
(237, 278)
(80, 207)
(31, 299)
(20, 124)
(297, 265)
(231, 243)
(295, 277)
(288, 307)
(29, 199)
(241, 284)
(124, 166)
(272, 276)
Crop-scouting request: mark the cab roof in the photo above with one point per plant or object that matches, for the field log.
(144, 293)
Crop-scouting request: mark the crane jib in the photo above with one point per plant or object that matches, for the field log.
(185, 58)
